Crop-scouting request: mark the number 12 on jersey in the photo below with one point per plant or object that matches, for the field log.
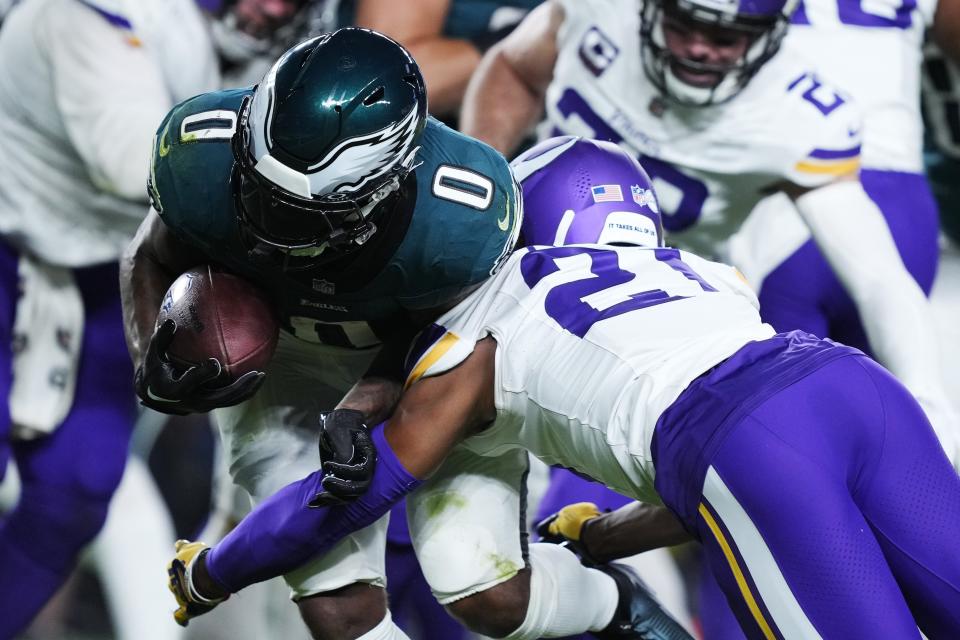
(606, 291)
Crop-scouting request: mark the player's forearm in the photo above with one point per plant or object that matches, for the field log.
(374, 396)
(631, 529)
(283, 532)
(148, 266)
(447, 65)
(143, 283)
(499, 107)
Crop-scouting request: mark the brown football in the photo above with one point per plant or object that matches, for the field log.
(220, 315)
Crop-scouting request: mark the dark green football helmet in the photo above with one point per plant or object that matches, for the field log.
(325, 141)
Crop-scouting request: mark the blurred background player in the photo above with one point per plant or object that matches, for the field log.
(721, 116)
(82, 87)
(445, 37)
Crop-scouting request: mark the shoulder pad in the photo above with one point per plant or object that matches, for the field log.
(467, 218)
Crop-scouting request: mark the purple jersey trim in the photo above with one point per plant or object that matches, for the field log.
(112, 18)
(835, 154)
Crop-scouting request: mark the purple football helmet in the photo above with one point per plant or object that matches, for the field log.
(580, 191)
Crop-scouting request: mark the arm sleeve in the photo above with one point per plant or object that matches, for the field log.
(853, 236)
(282, 532)
(110, 93)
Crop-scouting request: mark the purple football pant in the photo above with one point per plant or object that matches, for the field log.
(803, 292)
(412, 605)
(69, 476)
(828, 510)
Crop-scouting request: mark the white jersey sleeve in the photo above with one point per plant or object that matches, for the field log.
(594, 343)
(77, 117)
(105, 107)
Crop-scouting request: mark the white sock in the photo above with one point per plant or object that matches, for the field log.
(566, 598)
(385, 630)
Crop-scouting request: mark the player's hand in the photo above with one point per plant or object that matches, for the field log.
(166, 388)
(347, 455)
(190, 604)
(565, 527)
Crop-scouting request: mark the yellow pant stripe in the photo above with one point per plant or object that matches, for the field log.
(833, 168)
(737, 573)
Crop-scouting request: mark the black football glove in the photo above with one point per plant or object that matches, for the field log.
(347, 456)
(165, 388)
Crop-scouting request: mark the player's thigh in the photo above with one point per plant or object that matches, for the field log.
(467, 523)
(911, 498)
(910, 210)
(789, 546)
(271, 439)
(86, 454)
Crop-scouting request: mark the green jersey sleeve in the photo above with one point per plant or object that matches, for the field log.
(191, 169)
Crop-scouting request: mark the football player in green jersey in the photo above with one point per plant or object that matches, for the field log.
(330, 187)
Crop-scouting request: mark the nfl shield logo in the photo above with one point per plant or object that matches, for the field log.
(325, 287)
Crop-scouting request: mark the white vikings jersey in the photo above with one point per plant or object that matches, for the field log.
(873, 50)
(594, 343)
(710, 165)
(83, 86)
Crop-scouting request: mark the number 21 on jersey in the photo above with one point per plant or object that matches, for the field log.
(603, 291)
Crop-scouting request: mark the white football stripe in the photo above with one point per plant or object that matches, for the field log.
(771, 585)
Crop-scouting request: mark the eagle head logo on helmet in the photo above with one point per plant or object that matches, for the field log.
(321, 150)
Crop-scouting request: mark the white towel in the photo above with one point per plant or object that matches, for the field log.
(47, 332)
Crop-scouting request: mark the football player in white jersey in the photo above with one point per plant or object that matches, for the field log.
(82, 88)
(721, 116)
(649, 369)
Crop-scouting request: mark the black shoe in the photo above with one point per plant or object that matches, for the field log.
(638, 616)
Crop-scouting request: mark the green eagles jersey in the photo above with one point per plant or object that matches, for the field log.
(457, 222)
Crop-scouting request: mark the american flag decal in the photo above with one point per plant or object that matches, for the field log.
(607, 193)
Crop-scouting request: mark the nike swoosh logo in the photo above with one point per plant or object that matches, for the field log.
(153, 396)
(504, 223)
(163, 148)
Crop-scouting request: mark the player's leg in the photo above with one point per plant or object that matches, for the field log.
(911, 498)
(780, 525)
(717, 621)
(130, 554)
(270, 441)
(412, 604)
(656, 567)
(797, 287)
(467, 525)
(69, 476)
